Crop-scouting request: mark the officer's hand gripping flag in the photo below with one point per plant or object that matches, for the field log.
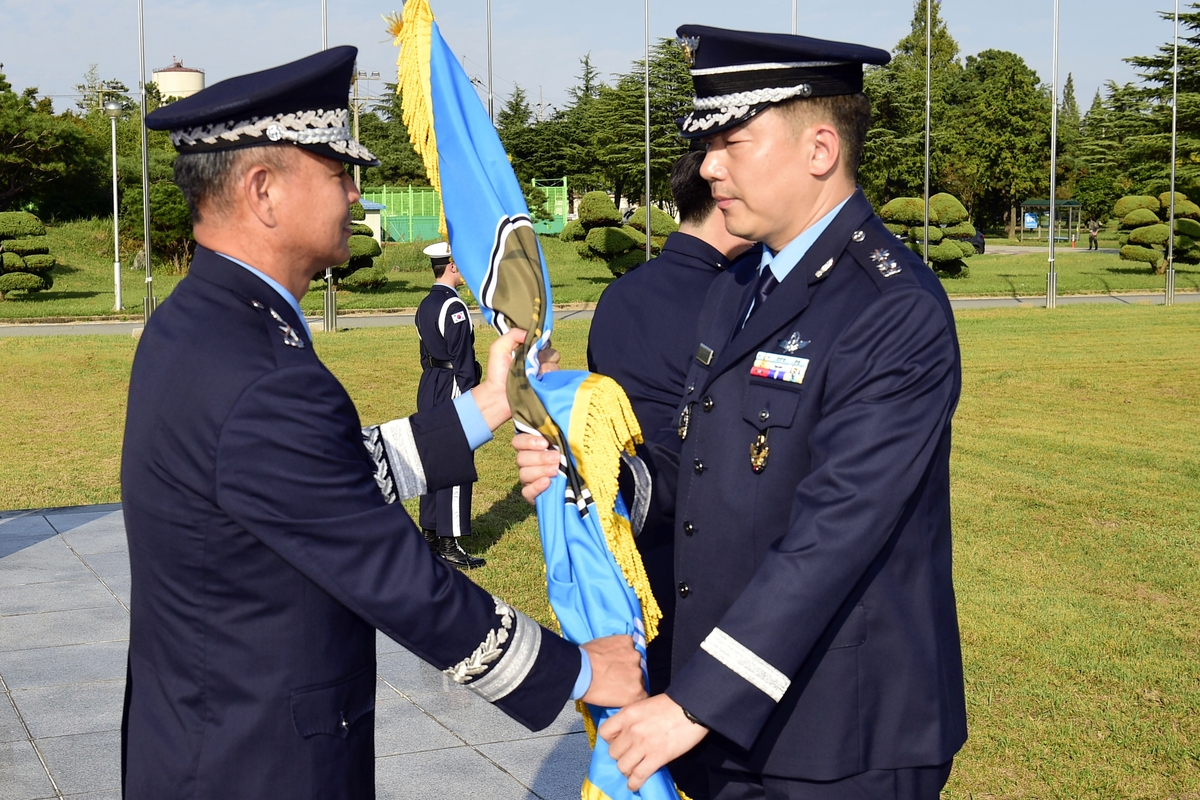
(594, 575)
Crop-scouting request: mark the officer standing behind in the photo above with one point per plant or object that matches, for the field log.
(449, 369)
(642, 335)
(816, 652)
(266, 543)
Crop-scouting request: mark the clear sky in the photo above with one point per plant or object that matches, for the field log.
(536, 43)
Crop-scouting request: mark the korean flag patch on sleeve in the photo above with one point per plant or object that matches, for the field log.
(459, 316)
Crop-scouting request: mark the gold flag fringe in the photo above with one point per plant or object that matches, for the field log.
(412, 32)
(609, 428)
(589, 724)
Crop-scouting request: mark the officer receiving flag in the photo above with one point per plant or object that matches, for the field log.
(596, 582)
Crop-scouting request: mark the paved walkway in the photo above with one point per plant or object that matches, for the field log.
(64, 630)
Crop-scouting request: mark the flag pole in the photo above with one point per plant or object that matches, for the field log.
(795, 16)
(647, 130)
(928, 112)
(1052, 275)
(148, 304)
(329, 318)
(491, 111)
(1169, 297)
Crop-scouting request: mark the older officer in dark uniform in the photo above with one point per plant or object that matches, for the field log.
(448, 369)
(642, 336)
(265, 543)
(816, 650)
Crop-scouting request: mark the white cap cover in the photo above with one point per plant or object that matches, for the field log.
(439, 250)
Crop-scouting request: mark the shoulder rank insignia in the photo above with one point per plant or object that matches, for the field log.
(793, 343)
(289, 336)
(885, 263)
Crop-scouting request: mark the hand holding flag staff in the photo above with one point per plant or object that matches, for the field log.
(595, 578)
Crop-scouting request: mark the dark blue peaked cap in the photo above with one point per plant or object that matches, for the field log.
(302, 103)
(737, 74)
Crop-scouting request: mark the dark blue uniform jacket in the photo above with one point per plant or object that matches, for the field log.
(815, 622)
(264, 557)
(444, 324)
(643, 335)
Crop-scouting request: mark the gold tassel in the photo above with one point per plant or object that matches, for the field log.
(603, 426)
(412, 32)
(589, 724)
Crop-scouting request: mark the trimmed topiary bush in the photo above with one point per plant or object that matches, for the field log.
(39, 264)
(1188, 227)
(1133, 202)
(573, 231)
(366, 278)
(908, 211)
(1164, 200)
(357, 212)
(612, 242)
(661, 223)
(358, 229)
(947, 209)
(19, 225)
(23, 281)
(953, 270)
(917, 233)
(11, 262)
(623, 263)
(963, 230)
(1138, 217)
(596, 210)
(1185, 209)
(1132, 252)
(584, 251)
(361, 246)
(901, 231)
(1150, 235)
(26, 247)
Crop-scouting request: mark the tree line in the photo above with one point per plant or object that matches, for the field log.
(990, 143)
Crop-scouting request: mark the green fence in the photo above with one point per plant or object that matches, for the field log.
(557, 203)
(412, 213)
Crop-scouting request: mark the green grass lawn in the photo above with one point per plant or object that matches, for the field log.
(83, 281)
(1077, 524)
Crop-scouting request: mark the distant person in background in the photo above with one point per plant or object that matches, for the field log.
(643, 336)
(448, 370)
(1093, 234)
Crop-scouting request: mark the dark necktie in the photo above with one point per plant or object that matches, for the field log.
(763, 287)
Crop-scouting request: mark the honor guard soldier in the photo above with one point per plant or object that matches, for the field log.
(448, 369)
(816, 649)
(266, 543)
(642, 335)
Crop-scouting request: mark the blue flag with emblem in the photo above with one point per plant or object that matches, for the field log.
(595, 579)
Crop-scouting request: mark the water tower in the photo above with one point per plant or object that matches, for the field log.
(177, 81)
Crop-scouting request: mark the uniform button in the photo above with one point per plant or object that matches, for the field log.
(707, 403)
(691, 388)
(689, 528)
(684, 591)
(764, 415)
(698, 466)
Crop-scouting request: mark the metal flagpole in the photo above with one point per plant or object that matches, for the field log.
(647, 130)
(1169, 297)
(795, 16)
(1052, 275)
(928, 111)
(113, 109)
(148, 304)
(491, 110)
(329, 318)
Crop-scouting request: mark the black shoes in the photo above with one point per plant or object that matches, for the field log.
(448, 548)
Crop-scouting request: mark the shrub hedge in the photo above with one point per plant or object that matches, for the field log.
(365, 278)
(23, 281)
(907, 211)
(11, 262)
(1132, 252)
(661, 223)
(1127, 204)
(358, 229)
(39, 264)
(612, 241)
(1188, 227)
(573, 231)
(1138, 217)
(357, 212)
(361, 246)
(963, 230)
(19, 225)
(947, 209)
(596, 210)
(896, 228)
(27, 247)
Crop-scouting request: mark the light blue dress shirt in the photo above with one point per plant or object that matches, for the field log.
(469, 415)
(783, 262)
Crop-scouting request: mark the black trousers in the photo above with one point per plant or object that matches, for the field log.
(920, 783)
(448, 511)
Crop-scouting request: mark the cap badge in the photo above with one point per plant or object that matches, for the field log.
(274, 133)
(690, 45)
(886, 265)
(793, 343)
(858, 236)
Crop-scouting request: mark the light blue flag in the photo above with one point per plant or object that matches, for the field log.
(595, 579)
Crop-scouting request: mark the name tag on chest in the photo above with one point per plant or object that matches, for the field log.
(778, 367)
